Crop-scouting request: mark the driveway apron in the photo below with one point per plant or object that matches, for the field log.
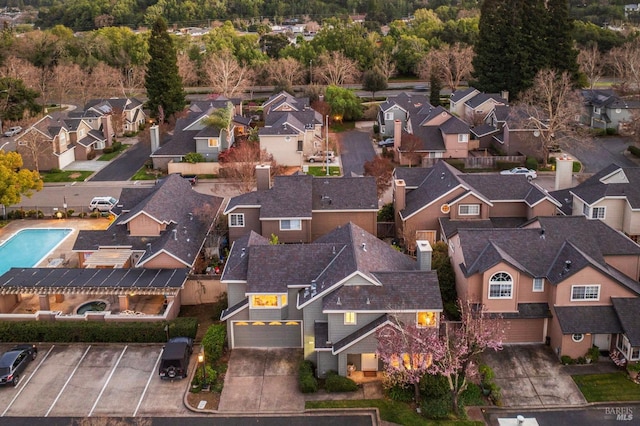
(531, 376)
(262, 381)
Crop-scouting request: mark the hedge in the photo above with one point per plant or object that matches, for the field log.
(634, 150)
(336, 383)
(306, 380)
(213, 342)
(94, 331)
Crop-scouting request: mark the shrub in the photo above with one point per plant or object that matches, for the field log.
(376, 128)
(401, 393)
(496, 394)
(55, 170)
(567, 360)
(437, 408)
(306, 380)
(193, 157)
(213, 342)
(486, 374)
(593, 353)
(433, 387)
(458, 164)
(472, 396)
(531, 163)
(634, 150)
(386, 214)
(337, 383)
(107, 150)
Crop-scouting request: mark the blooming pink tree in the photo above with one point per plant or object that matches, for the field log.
(409, 352)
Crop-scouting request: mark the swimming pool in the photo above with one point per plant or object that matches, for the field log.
(27, 247)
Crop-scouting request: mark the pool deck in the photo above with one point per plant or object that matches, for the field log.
(63, 256)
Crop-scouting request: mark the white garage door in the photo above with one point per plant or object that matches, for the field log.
(266, 334)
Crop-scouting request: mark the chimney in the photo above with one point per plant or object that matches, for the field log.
(423, 253)
(155, 137)
(107, 129)
(505, 95)
(263, 176)
(175, 234)
(397, 134)
(564, 172)
(399, 195)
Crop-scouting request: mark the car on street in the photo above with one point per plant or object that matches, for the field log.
(102, 204)
(14, 361)
(530, 174)
(174, 363)
(12, 131)
(386, 143)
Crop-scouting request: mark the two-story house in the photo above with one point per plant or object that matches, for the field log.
(301, 208)
(473, 106)
(193, 134)
(612, 195)
(603, 109)
(292, 129)
(430, 202)
(46, 145)
(328, 297)
(398, 108)
(127, 114)
(564, 280)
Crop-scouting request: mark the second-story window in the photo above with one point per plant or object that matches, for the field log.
(469, 209)
(349, 318)
(290, 225)
(236, 220)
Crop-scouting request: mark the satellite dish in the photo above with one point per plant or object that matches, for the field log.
(536, 133)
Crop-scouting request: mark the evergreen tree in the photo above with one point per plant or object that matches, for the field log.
(562, 56)
(164, 85)
(435, 86)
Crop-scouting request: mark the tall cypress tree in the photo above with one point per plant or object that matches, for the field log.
(562, 56)
(163, 82)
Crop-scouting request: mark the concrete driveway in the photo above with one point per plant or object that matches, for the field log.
(531, 376)
(262, 381)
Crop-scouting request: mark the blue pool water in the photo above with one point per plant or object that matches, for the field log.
(27, 248)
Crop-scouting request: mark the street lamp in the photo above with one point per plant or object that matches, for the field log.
(204, 370)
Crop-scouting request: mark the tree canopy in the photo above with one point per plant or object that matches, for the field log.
(15, 181)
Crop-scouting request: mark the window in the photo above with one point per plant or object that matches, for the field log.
(469, 209)
(596, 110)
(236, 220)
(463, 138)
(80, 133)
(585, 292)
(349, 318)
(594, 212)
(261, 301)
(577, 337)
(212, 143)
(290, 225)
(538, 284)
(500, 286)
(300, 145)
(426, 319)
(388, 116)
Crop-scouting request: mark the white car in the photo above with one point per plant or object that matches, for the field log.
(530, 174)
(12, 131)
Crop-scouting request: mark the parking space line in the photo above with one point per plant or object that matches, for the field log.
(67, 382)
(146, 387)
(25, 383)
(113, 370)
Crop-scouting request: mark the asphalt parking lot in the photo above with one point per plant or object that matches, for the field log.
(82, 380)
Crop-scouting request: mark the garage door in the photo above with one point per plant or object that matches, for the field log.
(266, 334)
(524, 331)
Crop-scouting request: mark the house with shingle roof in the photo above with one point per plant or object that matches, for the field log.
(473, 106)
(430, 203)
(328, 297)
(127, 114)
(612, 195)
(157, 227)
(398, 108)
(603, 109)
(292, 129)
(566, 280)
(192, 134)
(301, 208)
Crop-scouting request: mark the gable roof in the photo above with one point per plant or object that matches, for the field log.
(481, 98)
(461, 94)
(237, 264)
(588, 319)
(406, 101)
(627, 311)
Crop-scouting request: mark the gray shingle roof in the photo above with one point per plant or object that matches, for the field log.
(462, 93)
(588, 319)
(627, 310)
(237, 264)
(361, 333)
(481, 98)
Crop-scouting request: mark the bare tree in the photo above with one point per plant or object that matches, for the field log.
(451, 63)
(65, 77)
(336, 69)
(550, 107)
(187, 70)
(130, 80)
(284, 73)
(32, 145)
(106, 81)
(385, 64)
(591, 63)
(226, 75)
(625, 61)
(380, 168)
(239, 162)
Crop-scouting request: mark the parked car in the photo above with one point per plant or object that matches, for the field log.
(530, 174)
(12, 131)
(322, 157)
(386, 143)
(14, 361)
(102, 204)
(174, 363)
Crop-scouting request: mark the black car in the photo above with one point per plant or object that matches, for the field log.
(14, 361)
(174, 363)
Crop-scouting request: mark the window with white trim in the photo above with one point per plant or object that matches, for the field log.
(349, 318)
(577, 337)
(463, 137)
(500, 286)
(236, 220)
(594, 212)
(290, 225)
(388, 116)
(212, 143)
(585, 292)
(469, 209)
(538, 285)
(596, 110)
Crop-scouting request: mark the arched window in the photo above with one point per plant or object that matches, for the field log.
(500, 286)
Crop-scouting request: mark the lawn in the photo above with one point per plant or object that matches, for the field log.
(607, 387)
(111, 155)
(65, 176)
(147, 174)
(322, 171)
(391, 411)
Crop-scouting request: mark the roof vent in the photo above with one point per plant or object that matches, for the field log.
(175, 234)
(567, 264)
(542, 234)
(149, 246)
(442, 175)
(339, 302)
(368, 301)
(364, 246)
(184, 229)
(333, 250)
(190, 216)
(244, 251)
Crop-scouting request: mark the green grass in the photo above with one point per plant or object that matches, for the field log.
(146, 174)
(65, 176)
(391, 411)
(607, 387)
(322, 171)
(110, 156)
(343, 127)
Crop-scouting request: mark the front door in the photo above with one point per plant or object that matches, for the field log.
(602, 341)
(369, 362)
